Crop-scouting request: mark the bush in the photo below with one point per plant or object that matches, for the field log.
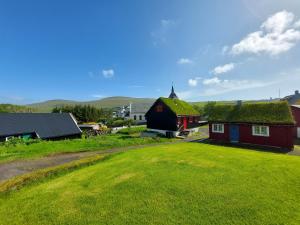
(14, 141)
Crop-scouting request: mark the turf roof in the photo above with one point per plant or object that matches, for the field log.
(269, 113)
(180, 107)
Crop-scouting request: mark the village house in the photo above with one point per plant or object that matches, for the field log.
(267, 124)
(171, 116)
(293, 99)
(49, 126)
(134, 111)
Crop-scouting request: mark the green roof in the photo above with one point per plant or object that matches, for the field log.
(180, 107)
(270, 113)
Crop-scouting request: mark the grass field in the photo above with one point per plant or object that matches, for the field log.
(43, 148)
(187, 183)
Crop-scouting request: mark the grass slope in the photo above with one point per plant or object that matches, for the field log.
(110, 102)
(43, 148)
(188, 183)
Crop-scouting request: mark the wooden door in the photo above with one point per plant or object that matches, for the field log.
(185, 122)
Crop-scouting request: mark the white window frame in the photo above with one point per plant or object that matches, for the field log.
(259, 128)
(217, 128)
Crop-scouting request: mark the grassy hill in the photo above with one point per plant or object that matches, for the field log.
(187, 183)
(9, 108)
(110, 102)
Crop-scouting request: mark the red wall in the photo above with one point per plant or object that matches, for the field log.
(219, 136)
(296, 114)
(280, 136)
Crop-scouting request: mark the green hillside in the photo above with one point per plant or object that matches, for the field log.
(110, 102)
(9, 108)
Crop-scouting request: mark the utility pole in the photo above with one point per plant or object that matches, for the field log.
(279, 93)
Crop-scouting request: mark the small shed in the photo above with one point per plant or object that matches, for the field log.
(267, 124)
(172, 115)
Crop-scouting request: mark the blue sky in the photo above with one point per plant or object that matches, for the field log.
(86, 50)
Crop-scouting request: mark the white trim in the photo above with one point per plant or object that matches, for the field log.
(75, 121)
(217, 128)
(260, 133)
(164, 132)
(298, 132)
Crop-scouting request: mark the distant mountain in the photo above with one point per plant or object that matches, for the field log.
(110, 102)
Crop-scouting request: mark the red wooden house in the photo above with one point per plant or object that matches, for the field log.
(267, 124)
(171, 115)
(296, 114)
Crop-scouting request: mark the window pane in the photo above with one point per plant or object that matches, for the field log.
(264, 130)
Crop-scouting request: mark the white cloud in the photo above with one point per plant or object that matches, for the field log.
(225, 49)
(166, 23)
(160, 35)
(224, 68)
(98, 96)
(184, 61)
(216, 86)
(193, 82)
(135, 86)
(108, 73)
(277, 34)
(297, 24)
(210, 81)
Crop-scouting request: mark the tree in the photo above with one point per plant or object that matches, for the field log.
(85, 113)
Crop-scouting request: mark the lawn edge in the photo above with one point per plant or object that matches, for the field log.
(18, 182)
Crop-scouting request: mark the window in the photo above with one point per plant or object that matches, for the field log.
(159, 108)
(190, 119)
(141, 117)
(217, 128)
(260, 131)
(134, 117)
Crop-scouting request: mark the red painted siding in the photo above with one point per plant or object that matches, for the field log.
(280, 136)
(296, 114)
(219, 136)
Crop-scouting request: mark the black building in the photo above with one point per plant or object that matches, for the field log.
(172, 114)
(38, 125)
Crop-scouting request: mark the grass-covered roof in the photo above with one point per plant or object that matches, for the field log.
(269, 113)
(180, 107)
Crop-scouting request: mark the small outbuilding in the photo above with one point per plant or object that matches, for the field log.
(172, 116)
(267, 124)
(296, 114)
(49, 126)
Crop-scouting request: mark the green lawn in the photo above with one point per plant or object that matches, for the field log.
(186, 183)
(44, 148)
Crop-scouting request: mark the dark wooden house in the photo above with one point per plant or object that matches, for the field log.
(49, 126)
(267, 124)
(172, 115)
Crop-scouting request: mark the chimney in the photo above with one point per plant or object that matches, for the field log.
(296, 92)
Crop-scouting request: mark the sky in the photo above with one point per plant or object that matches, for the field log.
(87, 50)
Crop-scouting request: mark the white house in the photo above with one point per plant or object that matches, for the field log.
(134, 111)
